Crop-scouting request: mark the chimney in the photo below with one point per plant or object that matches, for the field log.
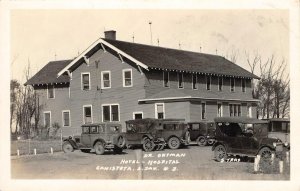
(110, 35)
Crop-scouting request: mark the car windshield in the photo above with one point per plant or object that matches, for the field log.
(114, 129)
(85, 130)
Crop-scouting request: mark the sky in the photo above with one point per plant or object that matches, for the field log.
(40, 36)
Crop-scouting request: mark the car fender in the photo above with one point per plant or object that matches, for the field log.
(72, 142)
(264, 145)
(218, 143)
(97, 140)
(145, 137)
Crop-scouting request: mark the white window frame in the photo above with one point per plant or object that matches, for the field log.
(48, 92)
(243, 79)
(240, 104)
(249, 110)
(178, 73)
(102, 82)
(82, 73)
(206, 77)
(233, 85)
(50, 125)
(123, 72)
(196, 83)
(204, 110)
(221, 114)
(156, 114)
(137, 112)
(63, 120)
(110, 114)
(83, 116)
(220, 77)
(168, 79)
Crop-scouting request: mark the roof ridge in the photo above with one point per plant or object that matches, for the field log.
(162, 47)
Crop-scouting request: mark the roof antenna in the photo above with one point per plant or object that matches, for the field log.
(78, 52)
(200, 49)
(216, 51)
(179, 46)
(133, 37)
(55, 56)
(150, 23)
(158, 42)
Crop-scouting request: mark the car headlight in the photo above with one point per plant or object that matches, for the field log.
(286, 144)
(274, 144)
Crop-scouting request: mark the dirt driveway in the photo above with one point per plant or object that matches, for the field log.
(187, 163)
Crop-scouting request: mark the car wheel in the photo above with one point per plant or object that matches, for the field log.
(121, 142)
(99, 148)
(148, 145)
(85, 150)
(201, 141)
(118, 150)
(220, 153)
(174, 143)
(67, 147)
(265, 154)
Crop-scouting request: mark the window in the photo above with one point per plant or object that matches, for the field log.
(203, 111)
(235, 110)
(47, 119)
(87, 114)
(195, 126)
(127, 78)
(85, 81)
(249, 111)
(137, 115)
(51, 92)
(180, 80)
(159, 111)
(232, 82)
(105, 79)
(220, 83)
(194, 81)
(110, 112)
(220, 110)
(243, 85)
(208, 82)
(66, 118)
(166, 79)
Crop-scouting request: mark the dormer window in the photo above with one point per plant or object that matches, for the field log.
(232, 82)
(166, 79)
(180, 80)
(51, 92)
(208, 82)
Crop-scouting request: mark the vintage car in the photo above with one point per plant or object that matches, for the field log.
(240, 136)
(280, 128)
(96, 136)
(156, 133)
(202, 132)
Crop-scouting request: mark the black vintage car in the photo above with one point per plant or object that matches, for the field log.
(240, 136)
(202, 132)
(156, 133)
(96, 136)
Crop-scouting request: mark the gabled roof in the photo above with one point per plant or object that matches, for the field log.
(173, 59)
(155, 57)
(48, 74)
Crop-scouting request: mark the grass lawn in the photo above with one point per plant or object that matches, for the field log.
(27, 146)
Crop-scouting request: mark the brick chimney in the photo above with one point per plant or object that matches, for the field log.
(110, 35)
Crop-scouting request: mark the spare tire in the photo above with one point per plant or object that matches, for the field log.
(120, 141)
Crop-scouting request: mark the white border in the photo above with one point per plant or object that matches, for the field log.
(82, 73)
(156, 116)
(45, 118)
(123, 77)
(83, 116)
(102, 82)
(137, 112)
(110, 115)
(63, 120)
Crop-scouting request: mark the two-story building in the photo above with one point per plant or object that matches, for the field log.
(116, 81)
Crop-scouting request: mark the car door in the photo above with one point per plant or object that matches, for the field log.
(85, 137)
